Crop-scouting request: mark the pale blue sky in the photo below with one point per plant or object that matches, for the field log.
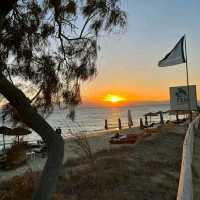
(128, 62)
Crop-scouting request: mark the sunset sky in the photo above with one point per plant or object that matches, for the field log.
(127, 62)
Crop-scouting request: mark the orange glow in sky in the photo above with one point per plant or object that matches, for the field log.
(113, 98)
(128, 63)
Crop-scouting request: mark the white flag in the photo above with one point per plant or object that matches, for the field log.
(175, 56)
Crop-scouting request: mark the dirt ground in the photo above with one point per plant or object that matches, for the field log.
(146, 170)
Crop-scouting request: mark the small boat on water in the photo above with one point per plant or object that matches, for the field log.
(124, 139)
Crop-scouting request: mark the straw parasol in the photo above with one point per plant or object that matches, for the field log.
(161, 116)
(180, 112)
(19, 131)
(4, 131)
(150, 114)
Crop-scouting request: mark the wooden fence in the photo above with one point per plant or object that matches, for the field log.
(185, 188)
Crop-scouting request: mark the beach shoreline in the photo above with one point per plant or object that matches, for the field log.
(98, 141)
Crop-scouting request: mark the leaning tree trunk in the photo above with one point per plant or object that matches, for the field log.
(29, 116)
(55, 142)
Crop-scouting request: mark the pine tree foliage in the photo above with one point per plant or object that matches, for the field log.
(53, 45)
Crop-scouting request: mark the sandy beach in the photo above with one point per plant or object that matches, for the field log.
(151, 166)
(98, 141)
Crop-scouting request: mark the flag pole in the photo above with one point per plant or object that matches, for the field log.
(187, 76)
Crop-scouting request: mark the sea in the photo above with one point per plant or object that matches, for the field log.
(91, 119)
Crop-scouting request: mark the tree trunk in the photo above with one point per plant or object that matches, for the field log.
(55, 142)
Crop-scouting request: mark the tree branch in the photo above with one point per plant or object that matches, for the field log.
(60, 37)
(86, 22)
(5, 8)
(36, 95)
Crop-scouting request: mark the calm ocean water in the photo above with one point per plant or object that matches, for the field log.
(91, 119)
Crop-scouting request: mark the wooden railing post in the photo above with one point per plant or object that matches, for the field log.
(106, 124)
(119, 124)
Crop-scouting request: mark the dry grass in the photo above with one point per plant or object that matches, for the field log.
(148, 170)
(82, 148)
(16, 155)
(19, 187)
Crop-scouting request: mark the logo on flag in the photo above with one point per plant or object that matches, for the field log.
(175, 56)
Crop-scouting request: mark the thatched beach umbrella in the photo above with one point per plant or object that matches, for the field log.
(161, 117)
(150, 114)
(177, 113)
(19, 131)
(4, 131)
(130, 121)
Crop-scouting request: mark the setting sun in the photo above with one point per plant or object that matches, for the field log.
(113, 98)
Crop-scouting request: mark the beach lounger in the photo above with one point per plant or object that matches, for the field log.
(124, 139)
(42, 149)
(30, 155)
(151, 130)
